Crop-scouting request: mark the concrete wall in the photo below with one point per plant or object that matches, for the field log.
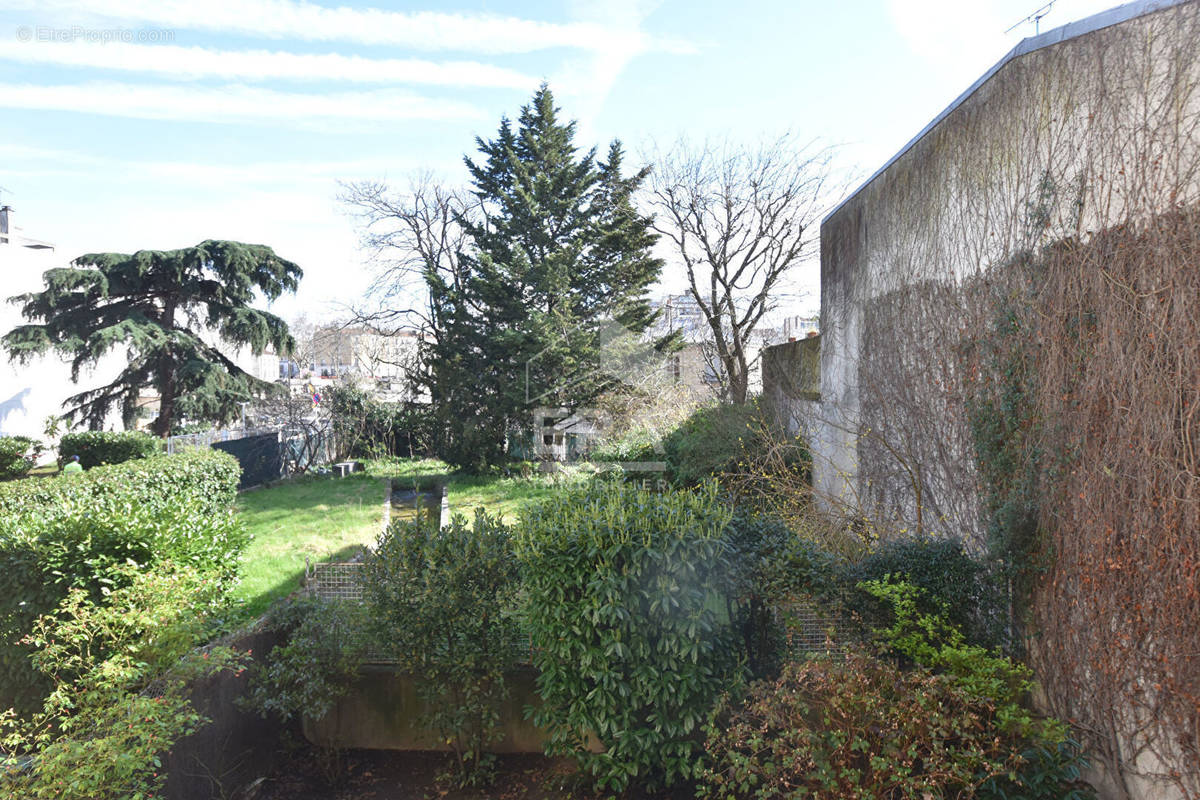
(236, 747)
(382, 711)
(1077, 131)
(1035, 151)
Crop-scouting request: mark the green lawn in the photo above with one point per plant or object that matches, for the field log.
(324, 518)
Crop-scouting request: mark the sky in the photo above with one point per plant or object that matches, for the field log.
(156, 124)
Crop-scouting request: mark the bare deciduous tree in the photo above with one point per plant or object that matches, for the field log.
(739, 220)
(414, 237)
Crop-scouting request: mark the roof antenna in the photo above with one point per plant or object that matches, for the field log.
(1035, 18)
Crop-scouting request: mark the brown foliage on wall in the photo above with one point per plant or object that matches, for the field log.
(1117, 346)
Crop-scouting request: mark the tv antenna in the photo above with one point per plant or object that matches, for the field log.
(1035, 18)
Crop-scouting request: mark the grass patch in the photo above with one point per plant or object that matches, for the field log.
(317, 517)
(330, 519)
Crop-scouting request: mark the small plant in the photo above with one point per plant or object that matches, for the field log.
(952, 584)
(443, 600)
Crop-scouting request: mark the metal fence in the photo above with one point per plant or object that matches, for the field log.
(208, 438)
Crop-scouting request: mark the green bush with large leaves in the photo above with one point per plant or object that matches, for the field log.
(76, 532)
(98, 448)
(625, 605)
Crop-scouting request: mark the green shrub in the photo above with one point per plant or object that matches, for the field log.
(758, 546)
(858, 728)
(57, 535)
(18, 455)
(324, 642)
(625, 605)
(952, 584)
(323, 645)
(121, 669)
(97, 448)
(369, 428)
(711, 441)
(443, 601)
(1049, 763)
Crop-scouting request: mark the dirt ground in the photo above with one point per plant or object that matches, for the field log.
(392, 775)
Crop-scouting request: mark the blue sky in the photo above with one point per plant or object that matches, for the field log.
(132, 124)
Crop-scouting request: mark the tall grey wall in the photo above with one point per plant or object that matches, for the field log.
(1042, 147)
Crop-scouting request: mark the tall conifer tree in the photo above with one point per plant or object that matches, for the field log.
(558, 254)
(155, 304)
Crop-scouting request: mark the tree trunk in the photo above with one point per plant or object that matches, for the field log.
(165, 380)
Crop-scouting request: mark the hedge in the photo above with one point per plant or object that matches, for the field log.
(73, 531)
(96, 448)
(18, 454)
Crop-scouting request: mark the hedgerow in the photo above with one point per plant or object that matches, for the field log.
(97, 448)
(75, 532)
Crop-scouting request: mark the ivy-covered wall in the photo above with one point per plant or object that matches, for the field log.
(1008, 354)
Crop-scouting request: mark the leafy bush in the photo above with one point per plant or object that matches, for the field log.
(855, 729)
(58, 535)
(1049, 762)
(121, 670)
(625, 597)
(442, 600)
(711, 441)
(324, 643)
(369, 428)
(952, 584)
(97, 448)
(18, 455)
(758, 548)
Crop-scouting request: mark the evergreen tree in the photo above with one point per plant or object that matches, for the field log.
(558, 254)
(154, 303)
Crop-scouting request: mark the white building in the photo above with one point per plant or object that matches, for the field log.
(29, 393)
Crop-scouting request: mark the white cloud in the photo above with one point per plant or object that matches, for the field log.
(232, 103)
(254, 65)
(303, 20)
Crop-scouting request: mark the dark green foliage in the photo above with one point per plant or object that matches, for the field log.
(154, 304)
(712, 440)
(324, 644)
(759, 546)
(95, 448)
(625, 595)
(1005, 431)
(76, 531)
(442, 600)
(951, 583)
(18, 455)
(369, 428)
(559, 255)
